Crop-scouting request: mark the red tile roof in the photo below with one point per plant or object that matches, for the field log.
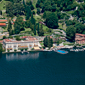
(29, 38)
(2, 24)
(7, 40)
(80, 34)
(3, 20)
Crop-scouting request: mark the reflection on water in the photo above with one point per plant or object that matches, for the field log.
(20, 56)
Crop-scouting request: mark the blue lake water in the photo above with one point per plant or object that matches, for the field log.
(42, 68)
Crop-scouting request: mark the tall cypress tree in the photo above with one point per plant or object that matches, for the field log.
(27, 15)
(51, 42)
(32, 19)
(24, 4)
(45, 41)
(41, 32)
(28, 12)
(38, 29)
(34, 29)
(1, 49)
(9, 26)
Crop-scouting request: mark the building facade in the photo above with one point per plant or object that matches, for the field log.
(80, 38)
(28, 43)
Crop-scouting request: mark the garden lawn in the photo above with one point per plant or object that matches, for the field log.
(2, 5)
(60, 26)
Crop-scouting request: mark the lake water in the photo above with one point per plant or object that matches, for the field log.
(42, 68)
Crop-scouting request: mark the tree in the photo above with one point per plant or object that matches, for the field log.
(52, 21)
(32, 19)
(53, 8)
(45, 41)
(9, 9)
(34, 29)
(33, 12)
(9, 27)
(29, 3)
(4, 37)
(18, 9)
(0, 12)
(28, 10)
(38, 11)
(41, 32)
(50, 42)
(27, 23)
(14, 9)
(1, 49)
(18, 38)
(70, 22)
(57, 41)
(38, 28)
(24, 4)
(79, 28)
(27, 15)
(18, 25)
(70, 33)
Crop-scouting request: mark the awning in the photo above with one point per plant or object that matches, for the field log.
(9, 48)
(36, 48)
(23, 46)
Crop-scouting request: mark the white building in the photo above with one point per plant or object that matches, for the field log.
(28, 43)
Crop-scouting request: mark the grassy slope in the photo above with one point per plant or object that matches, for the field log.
(34, 3)
(60, 26)
(2, 5)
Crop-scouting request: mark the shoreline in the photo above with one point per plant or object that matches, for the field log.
(20, 51)
(69, 47)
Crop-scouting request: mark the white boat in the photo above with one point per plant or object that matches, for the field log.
(76, 50)
(22, 52)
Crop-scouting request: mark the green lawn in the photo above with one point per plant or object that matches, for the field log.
(27, 30)
(60, 26)
(45, 28)
(34, 3)
(37, 18)
(2, 5)
(70, 12)
(41, 43)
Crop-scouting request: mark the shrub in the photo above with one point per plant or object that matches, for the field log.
(4, 37)
(32, 49)
(25, 49)
(33, 12)
(21, 49)
(18, 38)
(15, 50)
(8, 50)
(10, 37)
